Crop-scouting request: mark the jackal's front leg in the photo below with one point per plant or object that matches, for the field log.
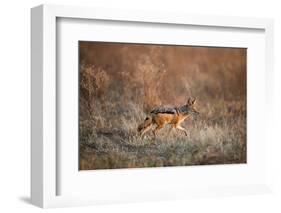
(182, 129)
(170, 130)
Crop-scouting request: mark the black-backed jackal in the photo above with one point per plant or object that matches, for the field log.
(160, 116)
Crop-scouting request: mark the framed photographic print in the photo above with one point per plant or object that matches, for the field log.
(129, 106)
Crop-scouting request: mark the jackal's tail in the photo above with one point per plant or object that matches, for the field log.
(143, 126)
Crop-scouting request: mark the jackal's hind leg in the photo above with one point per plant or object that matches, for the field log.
(145, 130)
(157, 129)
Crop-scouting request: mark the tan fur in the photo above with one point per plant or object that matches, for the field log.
(162, 119)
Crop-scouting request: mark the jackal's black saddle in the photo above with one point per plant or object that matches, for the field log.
(164, 109)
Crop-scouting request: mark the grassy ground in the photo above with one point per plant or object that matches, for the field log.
(211, 140)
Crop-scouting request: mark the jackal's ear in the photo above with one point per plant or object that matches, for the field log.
(189, 101)
(193, 101)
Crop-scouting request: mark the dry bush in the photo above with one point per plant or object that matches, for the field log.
(151, 76)
(93, 86)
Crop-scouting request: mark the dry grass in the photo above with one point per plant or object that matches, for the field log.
(119, 87)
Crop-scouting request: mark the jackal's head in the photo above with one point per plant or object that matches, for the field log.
(189, 107)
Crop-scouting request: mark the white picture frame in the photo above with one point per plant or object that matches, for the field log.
(44, 153)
